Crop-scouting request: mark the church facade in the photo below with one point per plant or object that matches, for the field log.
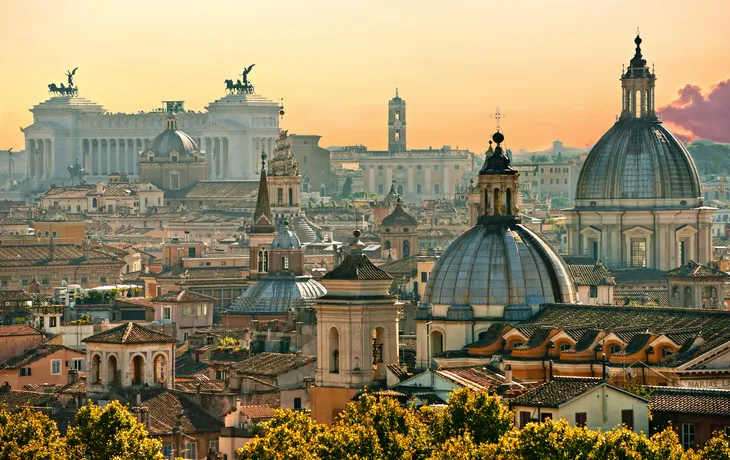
(232, 131)
(639, 197)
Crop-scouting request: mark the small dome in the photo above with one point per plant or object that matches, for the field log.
(399, 217)
(286, 239)
(507, 266)
(275, 294)
(170, 141)
(638, 159)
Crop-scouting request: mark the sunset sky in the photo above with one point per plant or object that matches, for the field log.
(552, 67)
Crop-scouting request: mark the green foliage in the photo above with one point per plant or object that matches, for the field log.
(478, 414)
(711, 158)
(559, 202)
(290, 434)
(29, 434)
(347, 187)
(227, 342)
(539, 159)
(110, 432)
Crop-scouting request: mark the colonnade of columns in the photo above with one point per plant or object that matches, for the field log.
(266, 144)
(217, 155)
(106, 156)
(40, 158)
(425, 181)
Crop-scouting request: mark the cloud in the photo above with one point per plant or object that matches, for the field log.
(701, 116)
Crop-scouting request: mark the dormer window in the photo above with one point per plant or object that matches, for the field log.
(151, 158)
(173, 158)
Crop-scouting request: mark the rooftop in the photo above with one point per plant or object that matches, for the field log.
(272, 364)
(130, 333)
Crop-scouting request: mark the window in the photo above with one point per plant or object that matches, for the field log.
(41, 322)
(397, 136)
(213, 445)
(667, 352)
(545, 415)
(593, 292)
(419, 189)
(167, 450)
(174, 180)
(565, 181)
(380, 189)
(565, 347)
(191, 252)
(581, 418)
(400, 167)
(78, 364)
(435, 167)
(191, 450)
(52, 321)
(424, 277)
(84, 280)
(4, 283)
(25, 371)
(419, 167)
(551, 181)
(55, 366)
(280, 196)
(517, 344)
(457, 167)
(565, 170)
(202, 310)
(542, 181)
(524, 418)
(221, 374)
(397, 115)
(380, 167)
(187, 310)
(297, 403)
(436, 189)
(551, 169)
(285, 263)
(627, 418)
(166, 313)
(688, 435)
(542, 170)
(638, 252)
(25, 282)
(102, 279)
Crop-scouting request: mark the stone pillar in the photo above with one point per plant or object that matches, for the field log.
(447, 183)
(371, 187)
(388, 178)
(427, 174)
(226, 160)
(30, 143)
(49, 159)
(41, 149)
(411, 180)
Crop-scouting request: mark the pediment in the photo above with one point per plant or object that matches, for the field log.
(35, 128)
(685, 230)
(638, 230)
(591, 231)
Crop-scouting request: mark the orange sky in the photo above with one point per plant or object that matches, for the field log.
(552, 67)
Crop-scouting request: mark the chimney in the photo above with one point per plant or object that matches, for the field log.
(299, 357)
(72, 376)
(139, 398)
(508, 374)
(551, 370)
(603, 366)
(86, 249)
(197, 393)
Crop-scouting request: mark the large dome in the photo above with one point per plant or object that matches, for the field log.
(638, 159)
(275, 294)
(500, 266)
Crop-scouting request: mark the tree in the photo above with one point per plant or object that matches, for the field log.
(559, 202)
(29, 434)
(717, 448)
(347, 187)
(476, 413)
(110, 432)
(290, 434)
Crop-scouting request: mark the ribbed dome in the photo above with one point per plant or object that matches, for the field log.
(638, 159)
(286, 239)
(509, 266)
(170, 141)
(274, 294)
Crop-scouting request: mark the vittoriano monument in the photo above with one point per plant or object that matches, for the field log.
(63, 90)
(241, 88)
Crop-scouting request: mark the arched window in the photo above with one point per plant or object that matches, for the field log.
(688, 296)
(305, 184)
(497, 202)
(96, 369)
(508, 196)
(437, 343)
(334, 350)
(160, 363)
(638, 105)
(406, 248)
(112, 374)
(93, 203)
(138, 370)
(675, 293)
(386, 245)
(263, 264)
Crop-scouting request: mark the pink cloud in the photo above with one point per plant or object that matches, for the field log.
(701, 116)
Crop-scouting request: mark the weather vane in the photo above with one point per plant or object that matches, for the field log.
(497, 115)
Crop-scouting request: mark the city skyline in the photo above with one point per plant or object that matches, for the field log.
(337, 66)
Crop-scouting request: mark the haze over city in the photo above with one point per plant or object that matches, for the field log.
(552, 67)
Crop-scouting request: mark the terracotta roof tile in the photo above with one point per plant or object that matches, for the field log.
(557, 392)
(16, 330)
(182, 296)
(257, 412)
(165, 407)
(130, 333)
(357, 267)
(35, 354)
(591, 275)
(690, 401)
(695, 270)
(272, 364)
(15, 400)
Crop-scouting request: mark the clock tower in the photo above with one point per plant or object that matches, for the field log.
(396, 124)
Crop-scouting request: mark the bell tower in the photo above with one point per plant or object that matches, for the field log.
(498, 186)
(396, 124)
(637, 85)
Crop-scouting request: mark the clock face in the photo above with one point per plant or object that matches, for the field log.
(397, 124)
